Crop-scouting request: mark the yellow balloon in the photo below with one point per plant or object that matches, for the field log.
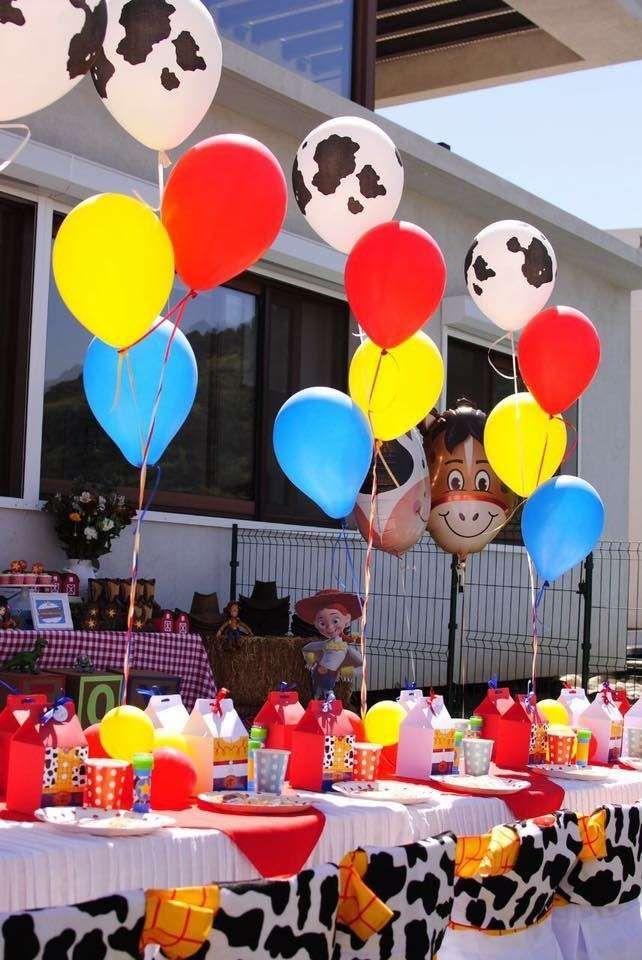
(113, 263)
(382, 722)
(396, 388)
(165, 738)
(553, 712)
(125, 731)
(524, 445)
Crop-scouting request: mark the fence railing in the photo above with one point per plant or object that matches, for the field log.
(429, 623)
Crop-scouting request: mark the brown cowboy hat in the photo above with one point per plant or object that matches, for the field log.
(264, 597)
(308, 608)
(204, 612)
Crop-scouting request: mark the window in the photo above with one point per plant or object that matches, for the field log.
(256, 342)
(470, 375)
(17, 237)
(312, 37)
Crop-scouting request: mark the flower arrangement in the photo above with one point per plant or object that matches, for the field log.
(87, 521)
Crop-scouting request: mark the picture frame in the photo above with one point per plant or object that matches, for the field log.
(50, 611)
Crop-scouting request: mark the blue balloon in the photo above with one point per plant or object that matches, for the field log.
(123, 400)
(561, 523)
(324, 445)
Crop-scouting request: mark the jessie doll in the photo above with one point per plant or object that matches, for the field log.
(333, 655)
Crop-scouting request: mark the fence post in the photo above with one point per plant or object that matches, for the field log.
(586, 589)
(234, 560)
(452, 629)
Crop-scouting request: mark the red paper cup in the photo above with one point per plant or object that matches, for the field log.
(105, 783)
(366, 760)
(560, 746)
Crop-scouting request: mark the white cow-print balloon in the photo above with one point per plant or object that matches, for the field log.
(347, 178)
(46, 48)
(159, 69)
(510, 272)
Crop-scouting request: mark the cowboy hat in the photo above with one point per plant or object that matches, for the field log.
(264, 597)
(308, 608)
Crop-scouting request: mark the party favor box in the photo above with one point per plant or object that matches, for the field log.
(426, 740)
(218, 720)
(495, 704)
(621, 700)
(94, 694)
(47, 684)
(576, 702)
(633, 716)
(606, 723)
(17, 710)
(514, 733)
(168, 712)
(410, 697)
(322, 747)
(280, 714)
(165, 682)
(47, 758)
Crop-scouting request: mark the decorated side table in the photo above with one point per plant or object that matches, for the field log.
(174, 654)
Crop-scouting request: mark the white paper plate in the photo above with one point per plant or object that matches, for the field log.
(635, 762)
(565, 772)
(385, 790)
(238, 801)
(103, 823)
(486, 784)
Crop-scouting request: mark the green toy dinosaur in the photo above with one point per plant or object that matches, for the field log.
(26, 661)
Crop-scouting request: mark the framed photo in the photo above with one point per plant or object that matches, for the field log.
(50, 611)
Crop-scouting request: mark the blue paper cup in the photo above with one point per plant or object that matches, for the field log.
(269, 770)
(477, 754)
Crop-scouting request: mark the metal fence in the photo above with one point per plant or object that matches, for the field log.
(430, 623)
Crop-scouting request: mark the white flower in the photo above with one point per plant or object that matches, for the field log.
(106, 524)
(85, 497)
(90, 533)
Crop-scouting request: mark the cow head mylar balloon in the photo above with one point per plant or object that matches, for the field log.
(402, 501)
(469, 502)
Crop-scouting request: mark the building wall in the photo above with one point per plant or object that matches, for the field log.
(187, 554)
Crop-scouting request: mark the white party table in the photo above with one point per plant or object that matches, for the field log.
(40, 867)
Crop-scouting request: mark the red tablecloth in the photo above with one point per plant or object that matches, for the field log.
(166, 653)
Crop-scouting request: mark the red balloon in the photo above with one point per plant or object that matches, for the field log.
(558, 353)
(223, 206)
(395, 278)
(96, 749)
(173, 779)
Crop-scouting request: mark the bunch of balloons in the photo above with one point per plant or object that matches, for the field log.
(510, 272)
(348, 180)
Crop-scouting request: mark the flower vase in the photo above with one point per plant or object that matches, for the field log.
(84, 569)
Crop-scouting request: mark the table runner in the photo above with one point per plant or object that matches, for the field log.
(171, 653)
(276, 846)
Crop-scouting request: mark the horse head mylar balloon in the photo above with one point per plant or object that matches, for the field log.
(469, 502)
(402, 501)
(510, 272)
(347, 178)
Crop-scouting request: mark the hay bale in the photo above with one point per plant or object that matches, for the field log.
(258, 664)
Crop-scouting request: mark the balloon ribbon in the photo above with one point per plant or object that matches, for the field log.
(366, 583)
(22, 144)
(177, 312)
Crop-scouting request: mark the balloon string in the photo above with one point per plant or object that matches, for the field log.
(406, 617)
(504, 376)
(179, 306)
(366, 584)
(21, 145)
(163, 161)
(387, 468)
(353, 572)
(536, 599)
(178, 311)
(463, 649)
(573, 447)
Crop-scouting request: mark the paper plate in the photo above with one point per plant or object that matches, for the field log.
(565, 772)
(635, 762)
(103, 823)
(388, 791)
(486, 784)
(235, 801)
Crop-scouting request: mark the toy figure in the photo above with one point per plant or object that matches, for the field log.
(331, 612)
(7, 622)
(470, 504)
(233, 629)
(26, 661)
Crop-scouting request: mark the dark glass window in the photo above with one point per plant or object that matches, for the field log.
(17, 237)
(312, 37)
(256, 343)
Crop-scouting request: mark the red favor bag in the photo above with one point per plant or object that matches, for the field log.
(322, 746)
(495, 704)
(280, 714)
(513, 742)
(47, 758)
(18, 708)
